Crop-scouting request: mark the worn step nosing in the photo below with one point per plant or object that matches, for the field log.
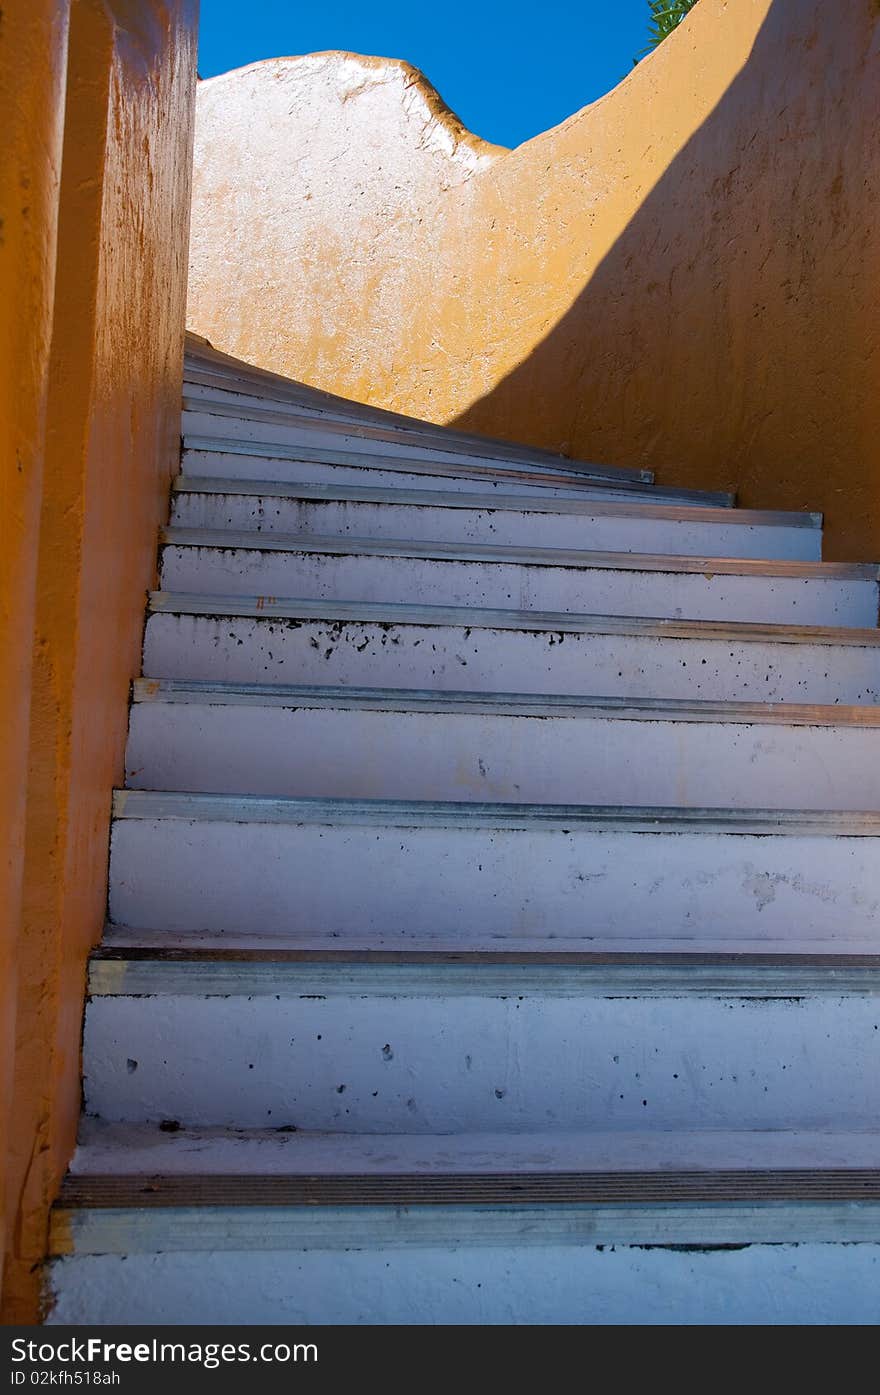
(241, 540)
(492, 503)
(120, 942)
(484, 618)
(405, 813)
(469, 945)
(104, 1191)
(525, 705)
(270, 974)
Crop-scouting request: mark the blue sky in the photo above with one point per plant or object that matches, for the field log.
(509, 69)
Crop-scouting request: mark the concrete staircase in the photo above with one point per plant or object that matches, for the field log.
(494, 897)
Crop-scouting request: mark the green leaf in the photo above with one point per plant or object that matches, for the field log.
(665, 16)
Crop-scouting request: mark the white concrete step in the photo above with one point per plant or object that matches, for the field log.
(269, 423)
(636, 1229)
(223, 458)
(245, 864)
(521, 521)
(202, 388)
(403, 744)
(217, 378)
(407, 1055)
(264, 427)
(239, 385)
(281, 1039)
(262, 639)
(227, 563)
(204, 384)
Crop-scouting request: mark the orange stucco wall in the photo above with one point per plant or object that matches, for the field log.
(33, 39)
(111, 444)
(685, 274)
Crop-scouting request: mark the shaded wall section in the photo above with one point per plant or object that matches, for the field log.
(684, 275)
(111, 447)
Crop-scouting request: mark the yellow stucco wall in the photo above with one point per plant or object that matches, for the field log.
(685, 274)
(110, 446)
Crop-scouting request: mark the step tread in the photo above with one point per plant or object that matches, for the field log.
(480, 617)
(583, 559)
(171, 690)
(407, 813)
(494, 503)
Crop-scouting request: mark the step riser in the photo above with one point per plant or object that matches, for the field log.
(434, 1064)
(425, 523)
(372, 440)
(177, 874)
(230, 648)
(571, 590)
(232, 465)
(339, 753)
(501, 1283)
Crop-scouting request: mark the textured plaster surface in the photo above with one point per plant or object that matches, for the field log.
(33, 50)
(318, 170)
(111, 447)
